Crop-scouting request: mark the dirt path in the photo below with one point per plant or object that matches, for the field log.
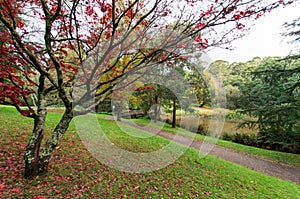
(276, 169)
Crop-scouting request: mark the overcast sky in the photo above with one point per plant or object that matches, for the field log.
(264, 38)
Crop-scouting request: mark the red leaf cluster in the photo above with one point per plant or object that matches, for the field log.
(202, 42)
(148, 87)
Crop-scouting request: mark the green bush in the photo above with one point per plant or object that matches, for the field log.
(227, 136)
(279, 141)
(246, 139)
(262, 140)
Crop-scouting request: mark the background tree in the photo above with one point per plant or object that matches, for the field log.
(273, 104)
(199, 81)
(233, 76)
(40, 31)
(176, 89)
(143, 98)
(273, 98)
(166, 90)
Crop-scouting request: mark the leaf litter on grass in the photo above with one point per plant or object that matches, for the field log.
(74, 173)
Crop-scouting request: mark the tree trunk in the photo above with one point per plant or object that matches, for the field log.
(31, 155)
(36, 163)
(156, 107)
(174, 113)
(119, 116)
(119, 111)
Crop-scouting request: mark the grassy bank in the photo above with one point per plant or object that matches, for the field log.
(74, 173)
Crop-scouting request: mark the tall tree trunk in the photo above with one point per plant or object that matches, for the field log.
(55, 137)
(31, 155)
(174, 113)
(36, 162)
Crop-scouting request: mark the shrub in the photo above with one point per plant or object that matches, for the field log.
(246, 139)
(227, 136)
(262, 141)
(290, 143)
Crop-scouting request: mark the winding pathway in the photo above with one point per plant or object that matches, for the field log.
(279, 170)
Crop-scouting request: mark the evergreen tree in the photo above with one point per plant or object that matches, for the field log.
(273, 101)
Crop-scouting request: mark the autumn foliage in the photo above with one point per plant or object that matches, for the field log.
(44, 45)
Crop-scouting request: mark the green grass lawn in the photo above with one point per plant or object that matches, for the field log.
(74, 173)
(286, 158)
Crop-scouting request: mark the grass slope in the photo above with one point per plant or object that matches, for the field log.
(74, 173)
(286, 158)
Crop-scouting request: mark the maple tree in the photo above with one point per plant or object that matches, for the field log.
(38, 36)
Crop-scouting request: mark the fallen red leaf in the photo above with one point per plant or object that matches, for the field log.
(1, 187)
(16, 190)
(39, 197)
